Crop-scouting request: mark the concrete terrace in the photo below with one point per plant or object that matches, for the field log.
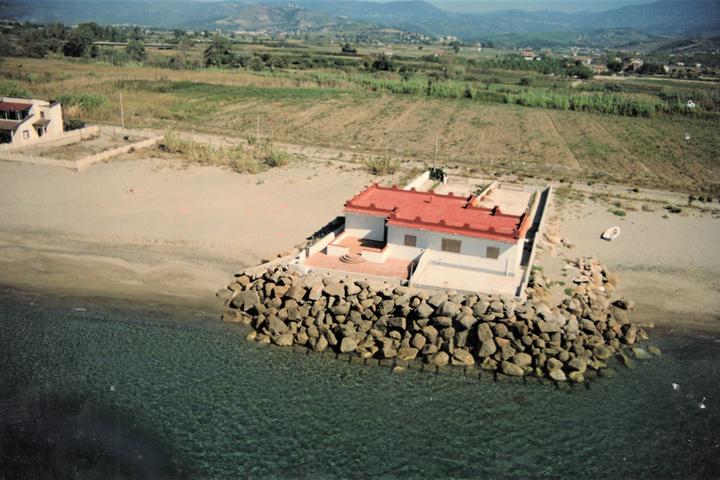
(392, 267)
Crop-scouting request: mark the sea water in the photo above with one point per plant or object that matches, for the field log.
(91, 388)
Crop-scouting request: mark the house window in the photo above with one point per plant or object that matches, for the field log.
(26, 134)
(42, 114)
(450, 245)
(411, 240)
(492, 252)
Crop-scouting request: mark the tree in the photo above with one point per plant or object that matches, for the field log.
(348, 49)
(79, 44)
(218, 53)
(383, 63)
(136, 50)
(615, 66)
(579, 70)
(34, 44)
(525, 81)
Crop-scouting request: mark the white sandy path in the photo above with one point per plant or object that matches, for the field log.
(182, 231)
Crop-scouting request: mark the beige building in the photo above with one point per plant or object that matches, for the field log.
(25, 121)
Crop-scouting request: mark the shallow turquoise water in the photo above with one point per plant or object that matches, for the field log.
(123, 391)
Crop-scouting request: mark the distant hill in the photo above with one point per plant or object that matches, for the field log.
(669, 18)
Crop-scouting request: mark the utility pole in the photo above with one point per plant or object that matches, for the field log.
(122, 112)
(257, 134)
(436, 150)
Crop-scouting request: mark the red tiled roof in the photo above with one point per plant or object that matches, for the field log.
(14, 107)
(442, 213)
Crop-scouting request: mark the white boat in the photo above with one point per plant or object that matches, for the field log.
(611, 234)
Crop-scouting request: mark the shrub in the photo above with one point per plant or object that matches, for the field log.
(86, 101)
(380, 166)
(73, 124)
(619, 213)
(276, 158)
(10, 88)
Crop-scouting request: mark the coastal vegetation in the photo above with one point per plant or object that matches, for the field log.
(239, 158)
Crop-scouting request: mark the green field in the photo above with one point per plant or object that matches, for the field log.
(364, 112)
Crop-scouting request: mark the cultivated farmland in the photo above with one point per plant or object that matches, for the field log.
(482, 136)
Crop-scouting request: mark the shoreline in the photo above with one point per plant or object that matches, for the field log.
(184, 232)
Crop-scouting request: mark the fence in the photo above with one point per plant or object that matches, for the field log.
(72, 136)
(81, 163)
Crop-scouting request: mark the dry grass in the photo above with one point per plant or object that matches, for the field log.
(380, 166)
(237, 158)
(487, 138)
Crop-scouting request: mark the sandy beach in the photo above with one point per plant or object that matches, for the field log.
(666, 263)
(154, 229)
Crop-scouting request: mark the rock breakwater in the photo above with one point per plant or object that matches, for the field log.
(570, 341)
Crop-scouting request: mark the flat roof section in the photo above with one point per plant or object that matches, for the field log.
(513, 201)
(443, 213)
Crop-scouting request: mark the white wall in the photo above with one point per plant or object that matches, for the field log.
(365, 226)
(419, 181)
(509, 258)
(53, 113)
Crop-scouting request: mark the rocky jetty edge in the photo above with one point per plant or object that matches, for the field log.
(400, 326)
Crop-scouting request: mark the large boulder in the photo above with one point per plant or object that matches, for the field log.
(553, 364)
(246, 300)
(487, 348)
(467, 321)
(277, 326)
(284, 340)
(578, 364)
(321, 344)
(348, 344)
(333, 288)
(296, 292)
(461, 356)
(511, 369)
(522, 359)
(558, 375)
(448, 308)
(407, 353)
(480, 308)
(440, 359)
(418, 341)
(430, 333)
(484, 332)
(437, 299)
(398, 323)
(424, 310)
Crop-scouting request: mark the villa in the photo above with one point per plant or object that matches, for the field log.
(27, 121)
(434, 240)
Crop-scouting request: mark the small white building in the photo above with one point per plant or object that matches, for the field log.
(470, 243)
(26, 121)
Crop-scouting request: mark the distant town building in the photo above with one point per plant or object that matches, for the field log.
(26, 121)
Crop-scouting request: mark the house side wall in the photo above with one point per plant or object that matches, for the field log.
(54, 114)
(19, 134)
(365, 226)
(508, 260)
